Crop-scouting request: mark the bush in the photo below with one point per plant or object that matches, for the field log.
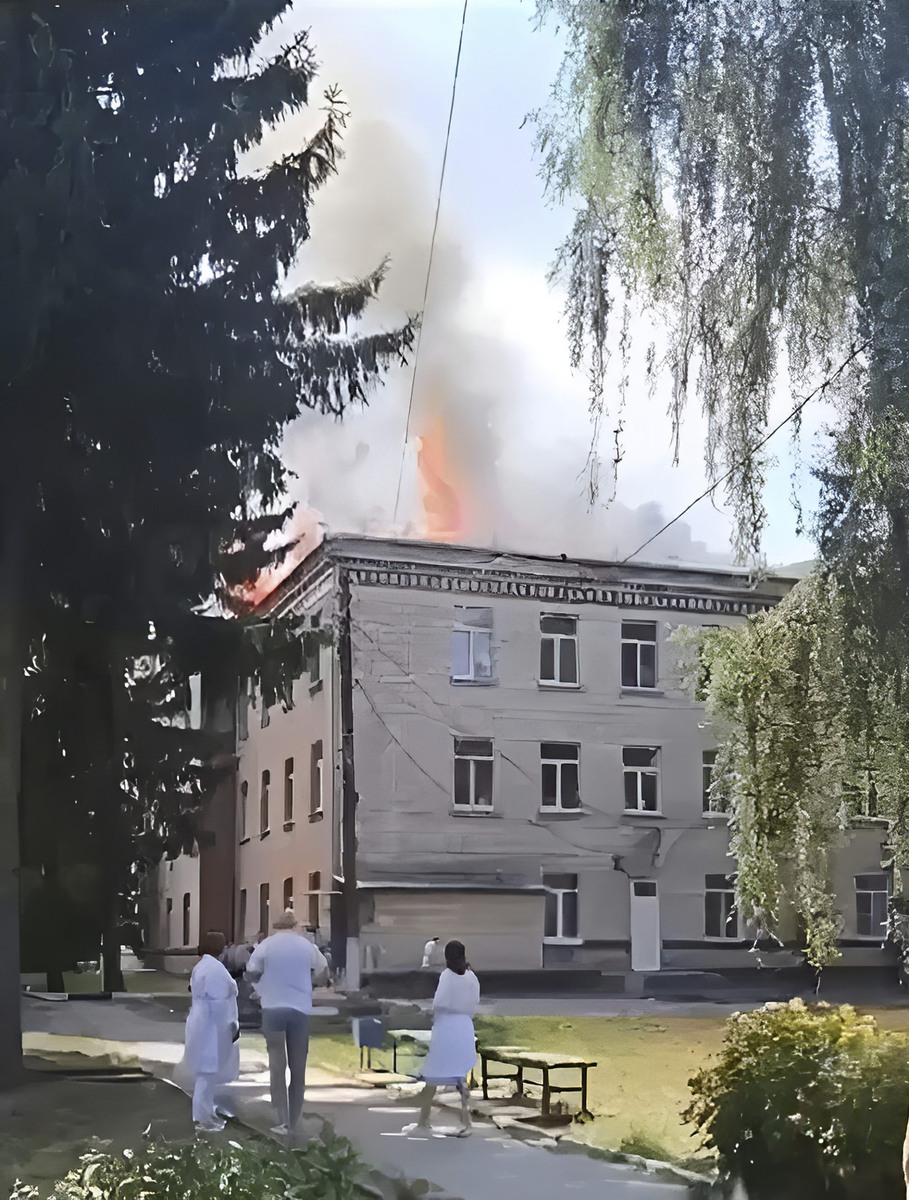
(208, 1171)
(807, 1102)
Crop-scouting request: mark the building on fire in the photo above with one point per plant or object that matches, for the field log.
(530, 778)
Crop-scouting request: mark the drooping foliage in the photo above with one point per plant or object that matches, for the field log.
(813, 736)
(740, 168)
(151, 356)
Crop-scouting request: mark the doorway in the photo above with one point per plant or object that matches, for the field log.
(645, 925)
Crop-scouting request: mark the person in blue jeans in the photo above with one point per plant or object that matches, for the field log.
(281, 970)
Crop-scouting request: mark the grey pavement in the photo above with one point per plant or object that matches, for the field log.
(486, 1166)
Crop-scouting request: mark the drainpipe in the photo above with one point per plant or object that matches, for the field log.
(349, 796)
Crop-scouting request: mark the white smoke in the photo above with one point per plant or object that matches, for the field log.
(518, 491)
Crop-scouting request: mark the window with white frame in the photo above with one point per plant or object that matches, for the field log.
(720, 918)
(872, 893)
(561, 914)
(473, 766)
(471, 645)
(639, 643)
(559, 651)
(561, 780)
(315, 778)
(244, 810)
(641, 766)
(710, 801)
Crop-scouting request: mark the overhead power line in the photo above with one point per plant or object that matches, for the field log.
(432, 249)
(831, 379)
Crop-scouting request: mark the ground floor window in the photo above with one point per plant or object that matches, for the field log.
(187, 901)
(561, 917)
(872, 893)
(720, 918)
(264, 907)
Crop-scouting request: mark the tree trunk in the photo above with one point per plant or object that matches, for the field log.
(12, 548)
(111, 971)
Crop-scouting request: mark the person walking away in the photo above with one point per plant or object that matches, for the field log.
(211, 1056)
(453, 1045)
(430, 954)
(281, 969)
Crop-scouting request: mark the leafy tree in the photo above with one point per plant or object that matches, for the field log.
(740, 171)
(152, 354)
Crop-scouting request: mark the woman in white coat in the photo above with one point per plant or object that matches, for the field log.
(453, 1046)
(212, 1054)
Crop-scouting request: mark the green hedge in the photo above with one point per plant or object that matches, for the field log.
(807, 1102)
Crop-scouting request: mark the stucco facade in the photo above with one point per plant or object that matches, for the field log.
(530, 775)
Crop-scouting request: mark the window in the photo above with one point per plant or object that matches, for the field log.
(639, 654)
(168, 921)
(288, 790)
(560, 776)
(872, 893)
(288, 895)
(315, 778)
(315, 886)
(264, 908)
(720, 917)
(473, 773)
(642, 778)
(266, 716)
(186, 906)
(559, 651)
(244, 810)
(263, 802)
(243, 715)
(561, 917)
(710, 801)
(471, 645)
(241, 932)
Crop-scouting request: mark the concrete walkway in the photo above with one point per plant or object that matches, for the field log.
(488, 1166)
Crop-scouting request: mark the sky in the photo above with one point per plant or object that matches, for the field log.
(494, 359)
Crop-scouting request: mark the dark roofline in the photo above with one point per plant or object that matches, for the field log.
(348, 547)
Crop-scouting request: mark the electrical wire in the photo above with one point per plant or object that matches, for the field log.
(856, 351)
(432, 249)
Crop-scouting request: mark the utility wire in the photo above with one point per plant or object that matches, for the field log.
(856, 351)
(432, 249)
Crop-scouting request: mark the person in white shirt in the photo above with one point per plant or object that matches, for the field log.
(430, 954)
(281, 969)
(212, 1056)
(453, 1045)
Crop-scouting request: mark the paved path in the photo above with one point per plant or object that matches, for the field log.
(488, 1166)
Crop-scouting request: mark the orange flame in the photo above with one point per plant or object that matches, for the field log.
(304, 535)
(441, 506)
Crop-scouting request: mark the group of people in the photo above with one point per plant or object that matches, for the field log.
(282, 969)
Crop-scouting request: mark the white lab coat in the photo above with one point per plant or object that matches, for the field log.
(453, 1045)
(210, 1050)
(430, 955)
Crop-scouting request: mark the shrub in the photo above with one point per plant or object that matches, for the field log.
(807, 1102)
(209, 1171)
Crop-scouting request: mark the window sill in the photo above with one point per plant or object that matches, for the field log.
(642, 691)
(563, 941)
(316, 816)
(288, 826)
(315, 688)
(243, 842)
(561, 814)
(473, 810)
(264, 834)
(473, 682)
(551, 685)
(637, 814)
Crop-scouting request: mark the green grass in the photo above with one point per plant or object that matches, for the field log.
(639, 1087)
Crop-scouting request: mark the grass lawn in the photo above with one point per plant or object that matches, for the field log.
(640, 1085)
(140, 982)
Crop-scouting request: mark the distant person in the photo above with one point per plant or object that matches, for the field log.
(430, 954)
(453, 1045)
(281, 969)
(211, 1057)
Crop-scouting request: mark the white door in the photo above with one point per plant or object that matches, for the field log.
(645, 925)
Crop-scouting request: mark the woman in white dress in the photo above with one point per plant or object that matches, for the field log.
(212, 1054)
(453, 1046)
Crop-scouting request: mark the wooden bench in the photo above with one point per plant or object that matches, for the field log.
(533, 1060)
